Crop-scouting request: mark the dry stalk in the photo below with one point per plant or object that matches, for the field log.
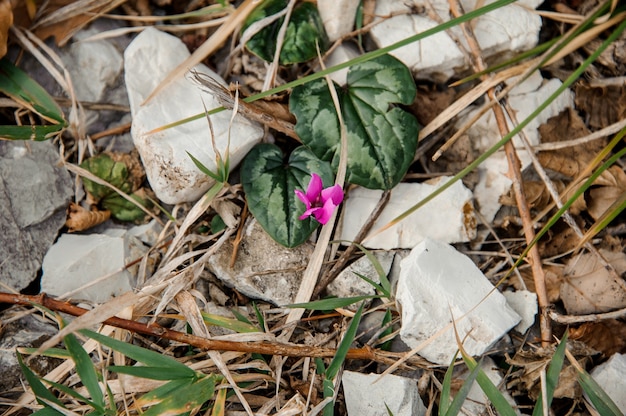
(516, 176)
(270, 348)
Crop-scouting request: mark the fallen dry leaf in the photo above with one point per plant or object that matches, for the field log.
(560, 239)
(6, 20)
(588, 287)
(613, 182)
(608, 336)
(80, 219)
(538, 197)
(604, 105)
(553, 278)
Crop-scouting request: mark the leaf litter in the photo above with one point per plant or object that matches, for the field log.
(286, 386)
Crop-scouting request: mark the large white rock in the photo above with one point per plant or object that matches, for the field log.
(171, 172)
(524, 302)
(338, 16)
(78, 260)
(449, 217)
(366, 396)
(438, 283)
(610, 376)
(523, 99)
(504, 31)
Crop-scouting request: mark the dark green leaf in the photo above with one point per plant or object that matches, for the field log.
(269, 184)
(153, 373)
(461, 395)
(382, 138)
(185, 399)
(36, 385)
(597, 396)
(344, 346)
(304, 31)
(552, 376)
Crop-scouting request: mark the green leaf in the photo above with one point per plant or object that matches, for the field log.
(23, 89)
(143, 355)
(461, 395)
(269, 184)
(382, 138)
(492, 392)
(124, 210)
(304, 31)
(86, 370)
(331, 303)
(204, 169)
(112, 171)
(446, 386)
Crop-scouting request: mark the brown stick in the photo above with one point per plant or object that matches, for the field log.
(515, 175)
(269, 348)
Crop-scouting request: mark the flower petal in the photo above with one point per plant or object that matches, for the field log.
(324, 213)
(334, 193)
(315, 187)
(303, 198)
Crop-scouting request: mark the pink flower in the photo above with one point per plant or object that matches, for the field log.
(320, 203)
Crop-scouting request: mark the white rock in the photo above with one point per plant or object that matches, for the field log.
(365, 396)
(338, 16)
(504, 31)
(349, 284)
(449, 217)
(437, 283)
(171, 172)
(610, 376)
(524, 99)
(343, 53)
(524, 303)
(78, 260)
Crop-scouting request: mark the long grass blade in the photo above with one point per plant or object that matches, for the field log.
(86, 370)
(344, 346)
(597, 396)
(552, 377)
(142, 355)
(41, 392)
(461, 395)
(331, 303)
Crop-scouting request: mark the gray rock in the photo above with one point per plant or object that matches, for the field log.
(349, 284)
(264, 269)
(34, 193)
(97, 260)
(25, 332)
(610, 377)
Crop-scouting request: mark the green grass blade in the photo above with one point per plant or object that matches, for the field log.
(86, 370)
(47, 411)
(344, 346)
(259, 316)
(444, 398)
(204, 169)
(331, 303)
(461, 395)
(152, 373)
(50, 352)
(597, 396)
(372, 283)
(552, 377)
(142, 355)
(229, 323)
(382, 276)
(36, 133)
(386, 346)
(73, 393)
(36, 385)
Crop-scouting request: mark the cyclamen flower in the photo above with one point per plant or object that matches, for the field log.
(320, 203)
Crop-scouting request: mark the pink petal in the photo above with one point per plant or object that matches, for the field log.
(303, 198)
(323, 214)
(315, 187)
(308, 213)
(334, 193)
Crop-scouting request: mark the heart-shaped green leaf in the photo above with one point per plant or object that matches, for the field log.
(382, 138)
(269, 184)
(304, 31)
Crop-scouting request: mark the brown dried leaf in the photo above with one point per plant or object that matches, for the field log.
(63, 18)
(430, 102)
(608, 336)
(553, 279)
(538, 197)
(588, 287)
(561, 239)
(613, 182)
(79, 219)
(6, 20)
(604, 105)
